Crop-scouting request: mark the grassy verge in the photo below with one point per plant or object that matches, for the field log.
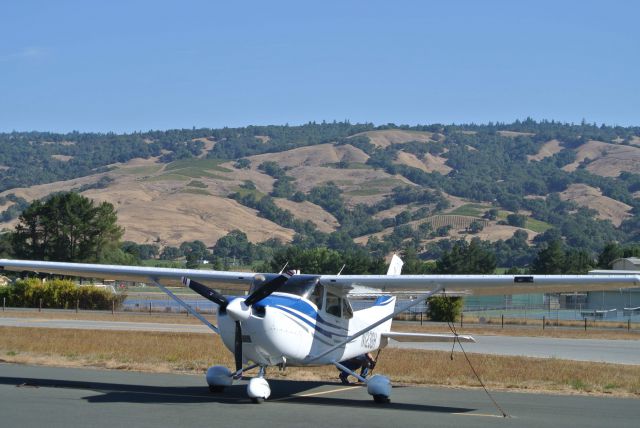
(532, 328)
(183, 352)
(521, 331)
(153, 317)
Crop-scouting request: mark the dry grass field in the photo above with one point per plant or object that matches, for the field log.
(153, 317)
(548, 149)
(385, 138)
(607, 160)
(188, 200)
(181, 352)
(608, 208)
(306, 210)
(429, 163)
(492, 326)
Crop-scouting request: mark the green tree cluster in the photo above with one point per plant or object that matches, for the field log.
(69, 227)
(473, 257)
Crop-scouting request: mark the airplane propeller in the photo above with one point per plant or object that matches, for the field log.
(238, 309)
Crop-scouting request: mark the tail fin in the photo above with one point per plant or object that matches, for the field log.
(395, 267)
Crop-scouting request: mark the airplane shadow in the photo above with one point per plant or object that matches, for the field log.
(282, 390)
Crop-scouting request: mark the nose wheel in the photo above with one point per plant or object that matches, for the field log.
(258, 389)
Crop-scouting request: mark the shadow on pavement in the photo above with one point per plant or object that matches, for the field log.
(282, 390)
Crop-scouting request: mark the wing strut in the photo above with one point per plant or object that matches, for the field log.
(413, 303)
(185, 305)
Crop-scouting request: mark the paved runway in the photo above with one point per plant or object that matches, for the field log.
(611, 351)
(61, 397)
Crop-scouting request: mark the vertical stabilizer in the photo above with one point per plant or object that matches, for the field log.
(395, 267)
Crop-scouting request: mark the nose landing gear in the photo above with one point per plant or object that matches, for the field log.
(258, 389)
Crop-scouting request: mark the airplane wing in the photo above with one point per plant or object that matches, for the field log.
(426, 337)
(166, 276)
(483, 284)
(454, 284)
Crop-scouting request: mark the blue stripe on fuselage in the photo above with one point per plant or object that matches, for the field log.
(291, 304)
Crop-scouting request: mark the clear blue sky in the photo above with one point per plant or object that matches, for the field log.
(140, 65)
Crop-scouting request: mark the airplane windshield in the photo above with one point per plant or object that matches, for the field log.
(299, 288)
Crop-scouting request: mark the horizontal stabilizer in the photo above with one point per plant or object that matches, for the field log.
(426, 337)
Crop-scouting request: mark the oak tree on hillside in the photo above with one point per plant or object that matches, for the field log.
(68, 227)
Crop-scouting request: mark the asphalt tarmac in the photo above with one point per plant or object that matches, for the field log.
(599, 350)
(62, 397)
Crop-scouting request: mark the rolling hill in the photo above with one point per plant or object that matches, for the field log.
(180, 186)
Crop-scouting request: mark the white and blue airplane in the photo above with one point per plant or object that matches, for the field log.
(293, 319)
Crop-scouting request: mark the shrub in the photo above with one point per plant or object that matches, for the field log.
(444, 309)
(58, 294)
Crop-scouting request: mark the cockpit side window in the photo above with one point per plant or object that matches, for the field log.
(347, 311)
(317, 295)
(333, 304)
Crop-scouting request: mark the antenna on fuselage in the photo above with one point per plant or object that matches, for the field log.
(283, 267)
(342, 268)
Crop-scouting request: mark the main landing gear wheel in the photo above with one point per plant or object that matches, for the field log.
(381, 399)
(218, 377)
(379, 387)
(257, 400)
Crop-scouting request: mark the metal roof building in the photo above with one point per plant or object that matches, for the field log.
(629, 263)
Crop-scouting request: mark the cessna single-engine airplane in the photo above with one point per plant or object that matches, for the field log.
(293, 319)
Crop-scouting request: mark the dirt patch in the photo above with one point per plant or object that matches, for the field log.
(395, 136)
(393, 211)
(429, 163)
(455, 202)
(42, 190)
(318, 155)
(495, 232)
(347, 179)
(548, 149)
(308, 211)
(436, 164)
(208, 145)
(62, 158)
(607, 160)
(262, 181)
(513, 134)
(608, 209)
